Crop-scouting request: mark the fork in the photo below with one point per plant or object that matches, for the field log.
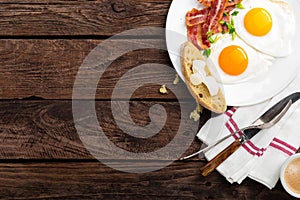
(262, 123)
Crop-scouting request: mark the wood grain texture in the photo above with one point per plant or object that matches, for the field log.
(45, 129)
(48, 68)
(93, 180)
(71, 18)
(43, 44)
(218, 159)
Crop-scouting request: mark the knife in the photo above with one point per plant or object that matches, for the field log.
(265, 121)
(293, 97)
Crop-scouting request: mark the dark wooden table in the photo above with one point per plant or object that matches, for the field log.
(42, 45)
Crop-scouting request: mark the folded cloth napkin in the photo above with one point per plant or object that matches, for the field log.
(262, 157)
(285, 144)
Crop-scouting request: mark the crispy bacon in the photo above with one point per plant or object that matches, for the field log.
(195, 16)
(205, 2)
(214, 16)
(194, 36)
(226, 17)
(233, 3)
(201, 22)
(222, 27)
(228, 9)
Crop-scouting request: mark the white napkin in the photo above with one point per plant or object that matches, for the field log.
(285, 144)
(262, 157)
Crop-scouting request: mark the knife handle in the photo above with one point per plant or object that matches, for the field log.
(218, 159)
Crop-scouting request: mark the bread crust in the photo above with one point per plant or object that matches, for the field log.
(215, 103)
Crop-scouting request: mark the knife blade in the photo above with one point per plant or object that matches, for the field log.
(249, 132)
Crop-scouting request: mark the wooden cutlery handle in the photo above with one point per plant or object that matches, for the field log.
(218, 159)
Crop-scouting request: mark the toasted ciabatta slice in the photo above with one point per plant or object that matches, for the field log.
(215, 103)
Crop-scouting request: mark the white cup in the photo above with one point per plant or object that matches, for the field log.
(282, 175)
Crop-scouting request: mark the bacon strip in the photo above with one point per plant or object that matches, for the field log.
(225, 18)
(233, 2)
(208, 3)
(228, 9)
(205, 2)
(195, 16)
(201, 22)
(213, 18)
(215, 14)
(194, 36)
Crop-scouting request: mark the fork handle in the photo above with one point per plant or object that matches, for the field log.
(218, 159)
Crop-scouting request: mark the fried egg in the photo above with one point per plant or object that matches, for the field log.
(266, 25)
(233, 61)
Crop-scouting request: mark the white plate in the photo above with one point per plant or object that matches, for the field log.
(254, 91)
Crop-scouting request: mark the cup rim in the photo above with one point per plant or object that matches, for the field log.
(291, 158)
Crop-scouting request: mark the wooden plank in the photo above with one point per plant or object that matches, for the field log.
(77, 18)
(45, 129)
(47, 69)
(93, 180)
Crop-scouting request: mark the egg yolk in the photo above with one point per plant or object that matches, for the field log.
(258, 22)
(233, 60)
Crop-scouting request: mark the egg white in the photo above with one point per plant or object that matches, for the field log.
(278, 41)
(257, 62)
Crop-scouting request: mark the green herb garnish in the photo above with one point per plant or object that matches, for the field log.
(210, 39)
(235, 13)
(233, 35)
(213, 39)
(206, 52)
(240, 6)
(231, 28)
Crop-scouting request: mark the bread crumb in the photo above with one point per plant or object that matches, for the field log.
(163, 89)
(199, 108)
(195, 114)
(176, 80)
